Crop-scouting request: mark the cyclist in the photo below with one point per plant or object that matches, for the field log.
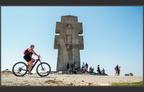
(28, 57)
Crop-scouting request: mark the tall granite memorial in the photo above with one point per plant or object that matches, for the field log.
(68, 42)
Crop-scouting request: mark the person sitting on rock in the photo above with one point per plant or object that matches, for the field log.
(70, 69)
(103, 72)
(91, 70)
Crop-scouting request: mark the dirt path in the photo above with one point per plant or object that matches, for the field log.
(65, 80)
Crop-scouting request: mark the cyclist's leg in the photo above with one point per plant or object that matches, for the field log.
(33, 60)
(29, 61)
(29, 66)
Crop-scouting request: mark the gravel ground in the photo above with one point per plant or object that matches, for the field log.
(65, 80)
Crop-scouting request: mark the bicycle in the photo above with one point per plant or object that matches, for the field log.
(43, 69)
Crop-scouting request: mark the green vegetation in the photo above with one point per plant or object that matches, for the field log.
(3, 85)
(128, 84)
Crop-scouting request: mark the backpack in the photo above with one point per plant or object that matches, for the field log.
(25, 51)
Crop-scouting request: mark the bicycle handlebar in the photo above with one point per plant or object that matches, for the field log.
(39, 57)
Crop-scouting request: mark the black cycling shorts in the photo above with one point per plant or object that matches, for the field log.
(27, 58)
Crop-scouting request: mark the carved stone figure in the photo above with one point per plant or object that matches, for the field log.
(68, 42)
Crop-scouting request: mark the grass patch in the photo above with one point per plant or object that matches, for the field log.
(128, 84)
(3, 85)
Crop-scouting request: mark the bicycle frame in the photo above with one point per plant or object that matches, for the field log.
(35, 63)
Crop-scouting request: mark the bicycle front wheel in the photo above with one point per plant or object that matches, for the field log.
(19, 69)
(43, 69)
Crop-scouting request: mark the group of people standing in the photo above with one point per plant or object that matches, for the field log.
(84, 69)
(91, 69)
(117, 70)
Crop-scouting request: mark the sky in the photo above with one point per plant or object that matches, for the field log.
(112, 35)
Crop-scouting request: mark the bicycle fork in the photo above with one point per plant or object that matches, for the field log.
(42, 66)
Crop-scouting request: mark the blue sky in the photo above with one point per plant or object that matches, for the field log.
(112, 35)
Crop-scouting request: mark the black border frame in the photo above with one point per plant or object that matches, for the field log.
(70, 3)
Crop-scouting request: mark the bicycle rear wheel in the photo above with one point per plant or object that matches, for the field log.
(19, 69)
(43, 69)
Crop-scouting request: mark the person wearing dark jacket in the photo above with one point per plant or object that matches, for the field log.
(98, 69)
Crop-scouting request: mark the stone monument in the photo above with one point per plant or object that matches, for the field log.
(68, 42)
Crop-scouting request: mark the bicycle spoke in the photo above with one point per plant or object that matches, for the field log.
(43, 69)
(19, 69)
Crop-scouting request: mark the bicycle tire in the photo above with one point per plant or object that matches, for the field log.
(21, 71)
(39, 67)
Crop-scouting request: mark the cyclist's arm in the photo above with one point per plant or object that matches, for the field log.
(33, 52)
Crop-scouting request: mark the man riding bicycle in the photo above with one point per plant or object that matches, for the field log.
(28, 57)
